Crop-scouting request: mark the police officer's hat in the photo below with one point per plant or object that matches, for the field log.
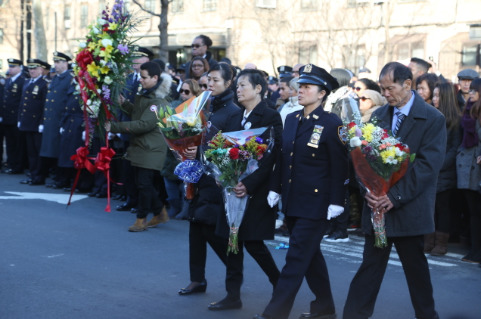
(181, 68)
(468, 74)
(59, 56)
(35, 63)
(311, 74)
(284, 70)
(141, 51)
(14, 62)
(272, 80)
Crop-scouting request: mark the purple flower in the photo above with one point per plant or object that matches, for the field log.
(123, 49)
(106, 92)
(259, 140)
(358, 132)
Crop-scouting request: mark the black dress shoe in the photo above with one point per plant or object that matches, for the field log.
(92, 194)
(197, 289)
(35, 183)
(318, 315)
(257, 316)
(50, 185)
(101, 195)
(13, 171)
(125, 207)
(225, 304)
(26, 181)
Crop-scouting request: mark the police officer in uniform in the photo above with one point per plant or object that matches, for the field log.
(54, 107)
(30, 116)
(9, 113)
(311, 177)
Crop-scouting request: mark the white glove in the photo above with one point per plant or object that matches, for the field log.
(18, 124)
(61, 130)
(273, 198)
(119, 135)
(40, 128)
(333, 211)
(83, 136)
(1, 119)
(111, 136)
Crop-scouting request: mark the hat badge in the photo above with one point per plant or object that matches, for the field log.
(308, 68)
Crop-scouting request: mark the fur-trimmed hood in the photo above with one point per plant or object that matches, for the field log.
(164, 88)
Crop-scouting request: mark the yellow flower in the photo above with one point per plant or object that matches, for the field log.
(105, 69)
(92, 45)
(388, 155)
(106, 53)
(367, 131)
(113, 26)
(93, 69)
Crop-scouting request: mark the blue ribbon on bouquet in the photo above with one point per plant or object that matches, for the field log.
(189, 171)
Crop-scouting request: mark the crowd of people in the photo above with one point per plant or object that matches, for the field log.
(305, 188)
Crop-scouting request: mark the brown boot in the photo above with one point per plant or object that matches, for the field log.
(428, 242)
(139, 225)
(162, 218)
(441, 247)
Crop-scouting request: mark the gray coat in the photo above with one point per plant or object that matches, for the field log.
(413, 196)
(468, 172)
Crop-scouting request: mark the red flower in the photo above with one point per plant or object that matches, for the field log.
(84, 58)
(234, 153)
(351, 125)
(385, 134)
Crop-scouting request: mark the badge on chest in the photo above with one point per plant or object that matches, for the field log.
(315, 136)
(35, 90)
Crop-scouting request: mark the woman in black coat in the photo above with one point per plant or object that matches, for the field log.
(208, 205)
(258, 223)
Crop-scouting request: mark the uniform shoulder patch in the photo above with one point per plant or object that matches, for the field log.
(342, 133)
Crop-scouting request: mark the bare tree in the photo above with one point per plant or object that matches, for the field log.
(39, 31)
(163, 26)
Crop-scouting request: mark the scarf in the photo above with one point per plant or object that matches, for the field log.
(470, 136)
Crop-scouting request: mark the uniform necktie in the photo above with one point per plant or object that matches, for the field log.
(400, 119)
(244, 119)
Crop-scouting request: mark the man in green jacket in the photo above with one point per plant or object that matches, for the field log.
(147, 148)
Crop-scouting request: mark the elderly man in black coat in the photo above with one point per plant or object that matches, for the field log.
(408, 205)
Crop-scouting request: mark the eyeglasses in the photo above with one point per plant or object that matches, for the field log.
(204, 86)
(186, 92)
(195, 45)
(363, 98)
(357, 88)
(197, 66)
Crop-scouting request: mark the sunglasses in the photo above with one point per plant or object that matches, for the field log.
(204, 86)
(363, 98)
(186, 92)
(196, 45)
(357, 88)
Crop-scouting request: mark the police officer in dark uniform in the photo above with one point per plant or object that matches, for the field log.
(311, 177)
(30, 117)
(9, 113)
(54, 107)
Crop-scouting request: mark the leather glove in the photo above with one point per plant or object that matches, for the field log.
(61, 130)
(273, 198)
(333, 211)
(83, 136)
(40, 128)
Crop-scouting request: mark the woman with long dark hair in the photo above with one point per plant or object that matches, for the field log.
(198, 66)
(425, 86)
(444, 99)
(468, 167)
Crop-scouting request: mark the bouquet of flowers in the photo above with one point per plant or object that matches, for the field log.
(102, 62)
(183, 128)
(231, 157)
(379, 160)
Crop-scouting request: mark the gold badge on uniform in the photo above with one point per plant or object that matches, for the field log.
(307, 68)
(35, 90)
(14, 88)
(315, 136)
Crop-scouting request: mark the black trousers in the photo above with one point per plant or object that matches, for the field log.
(367, 281)
(148, 181)
(15, 144)
(442, 213)
(34, 142)
(303, 259)
(199, 235)
(235, 266)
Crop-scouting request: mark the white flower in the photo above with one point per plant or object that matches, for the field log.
(106, 42)
(108, 80)
(82, 44)
(103, 62)
(95, 30)
(355, 142)
(99, 91)
(89, 102)
(102, 21)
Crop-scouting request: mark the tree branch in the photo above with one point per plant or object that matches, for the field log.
(143, 9)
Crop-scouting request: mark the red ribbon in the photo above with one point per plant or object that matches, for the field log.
(81, 161)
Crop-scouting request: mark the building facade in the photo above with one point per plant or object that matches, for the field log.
(347, 33)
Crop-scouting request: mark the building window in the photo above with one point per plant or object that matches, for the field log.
(101, 6)
(177, 6)
(469, 53)
(127, 4)
(417, 49)
(66, 17)
(354, 57)
(150, 5)
(84, 15)
(308, 54)
(209, 5)
(267, 4)
(1, 37)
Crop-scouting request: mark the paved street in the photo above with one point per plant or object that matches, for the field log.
(81, 262)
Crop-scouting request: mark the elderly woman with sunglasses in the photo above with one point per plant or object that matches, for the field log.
(369, 101)
(189, 88)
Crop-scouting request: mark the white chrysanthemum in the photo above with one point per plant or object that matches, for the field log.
(108, 80)
(355, 142)
(95, 30)
(102, 21)
(106, 42)
(82, 45)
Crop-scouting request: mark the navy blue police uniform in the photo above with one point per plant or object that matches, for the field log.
(30, 116)
(9, 113)
(310, 176)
